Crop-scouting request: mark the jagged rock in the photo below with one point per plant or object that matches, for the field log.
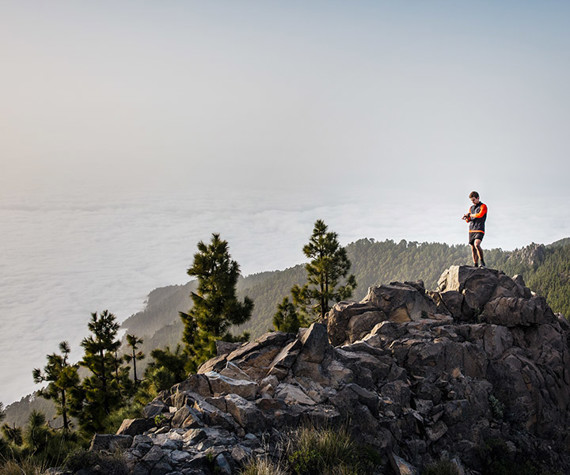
(255, 358)
(418, 374)
(507, 287)
(513, 311)
(401, 467)
(215, 415)
(246, 414)
(437, 431)
(194, 436)
(110, 442)
(187, 418)
(225, 347)
(215, 364)
(366, 364)
(338, 318)
(315, 343)
(401, 302)
(452, 302)
(180, 456)
(268, 385)
(222, 385)
(241, 454)
(496, 340)
(135, 426)
(293, 395)
(195, 383)
(360, 325)
(154, 409)
(315, 346)
(285, 358)
(223, 465)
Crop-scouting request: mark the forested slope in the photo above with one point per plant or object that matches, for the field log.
(546, 269)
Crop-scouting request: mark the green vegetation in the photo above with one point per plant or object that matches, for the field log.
(497, 408)
(328, 265)
(35, 447)
(216, 307)
(441, 467)
(497, 459)
(108, 386)
(85, 459)
(99, 402)
(62, 378)
(134, 342)
(317, 451)
(262, 466)
(551, 278)
(167, 369)
(287, 319)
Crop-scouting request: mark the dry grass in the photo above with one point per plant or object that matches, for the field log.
(262, 466)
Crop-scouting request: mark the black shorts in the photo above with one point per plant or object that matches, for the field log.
(474, 236)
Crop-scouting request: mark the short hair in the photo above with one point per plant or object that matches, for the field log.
(474, 194)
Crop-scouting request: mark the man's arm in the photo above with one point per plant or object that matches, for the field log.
(482, 212)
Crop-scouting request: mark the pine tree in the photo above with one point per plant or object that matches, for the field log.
(135, 356)
(99, 393)
(37, 433)
(216, 307)
(167, 369)
(13, 434)
(62, 377)
(329, 264)
(287, 319)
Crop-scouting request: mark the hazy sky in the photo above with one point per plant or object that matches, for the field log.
(129, 130)
(435, 98)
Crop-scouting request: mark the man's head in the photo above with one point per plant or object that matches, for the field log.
(474, 197)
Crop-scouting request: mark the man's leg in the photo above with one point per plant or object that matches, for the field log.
(475, 254)
(477, 248)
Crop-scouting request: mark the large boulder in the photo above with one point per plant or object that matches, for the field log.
(477, 285)
(401, 302)
(339, 317)
(222, 385)
(135, 426)
(513, 311)
(397, 302)
(110, 442)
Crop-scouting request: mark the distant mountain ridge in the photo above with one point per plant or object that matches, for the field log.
(373, 263)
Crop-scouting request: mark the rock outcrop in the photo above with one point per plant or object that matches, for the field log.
(414, 373)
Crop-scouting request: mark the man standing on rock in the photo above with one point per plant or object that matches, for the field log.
(476, 218)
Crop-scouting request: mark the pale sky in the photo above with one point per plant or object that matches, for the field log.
(435, 98)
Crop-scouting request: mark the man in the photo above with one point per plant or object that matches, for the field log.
(476, 218)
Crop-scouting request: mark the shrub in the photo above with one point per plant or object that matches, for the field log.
(498, 460)
(108, 464)
(28, 466)
(262, 466)
(441, 467)
(114, 420)
(316, 451)
(497, 408)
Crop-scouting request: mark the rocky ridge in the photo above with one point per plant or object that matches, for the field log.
(413, 373)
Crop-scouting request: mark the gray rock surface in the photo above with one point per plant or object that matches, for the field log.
(417, 373)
